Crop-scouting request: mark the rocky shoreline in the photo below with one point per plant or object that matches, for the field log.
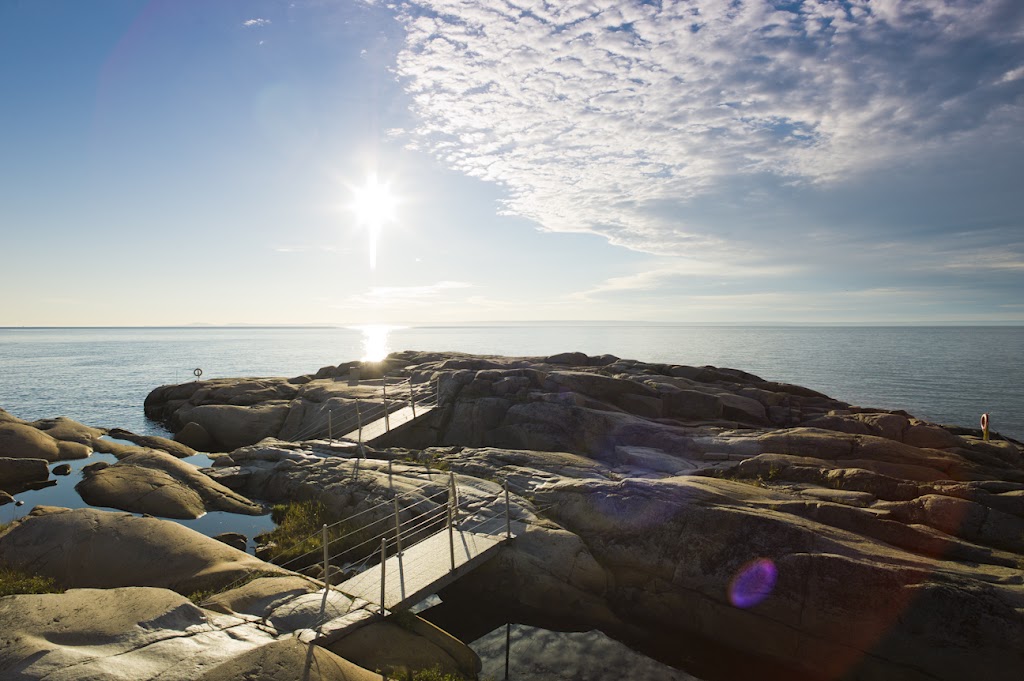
(654, 502)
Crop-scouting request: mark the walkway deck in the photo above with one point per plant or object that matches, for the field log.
(395, 419)
(423, 569)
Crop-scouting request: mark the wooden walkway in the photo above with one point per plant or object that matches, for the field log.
(373, 430)
(423, 569)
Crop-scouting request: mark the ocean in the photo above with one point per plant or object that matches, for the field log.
(100, 376)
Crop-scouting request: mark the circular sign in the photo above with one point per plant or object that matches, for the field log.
(984, 421)
(197, 372)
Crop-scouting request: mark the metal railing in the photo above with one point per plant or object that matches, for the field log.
(387, 534)
(403, 394)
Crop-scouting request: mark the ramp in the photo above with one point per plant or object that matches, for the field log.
(423, 569)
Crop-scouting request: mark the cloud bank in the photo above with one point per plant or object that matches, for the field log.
(618, 117)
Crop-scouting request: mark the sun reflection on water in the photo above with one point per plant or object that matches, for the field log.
(375, 341)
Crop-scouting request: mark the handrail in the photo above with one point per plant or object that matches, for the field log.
(399, 536)
(415, 396)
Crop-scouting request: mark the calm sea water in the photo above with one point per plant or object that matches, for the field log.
(944, 374)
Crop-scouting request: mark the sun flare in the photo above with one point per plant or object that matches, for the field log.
(373, 205)
(376, 344)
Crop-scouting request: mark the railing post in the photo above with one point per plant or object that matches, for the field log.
(451, 536)
(384, 388)
(359, 422)
(327, 575)
(412, 399)
(391, 482)
(453, 497)
(398, 530)
(383, 570)
(330, 426)
(508, 645)
(508, 518)
(327, 557)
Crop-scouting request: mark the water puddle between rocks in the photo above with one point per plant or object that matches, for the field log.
(61, 492)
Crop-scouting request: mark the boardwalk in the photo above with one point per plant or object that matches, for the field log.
(423, 569)
(382, 425)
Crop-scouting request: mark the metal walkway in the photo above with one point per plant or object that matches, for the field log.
(371, 414)
(424, 569)
(386, 423)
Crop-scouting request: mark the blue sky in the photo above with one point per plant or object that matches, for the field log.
(171, 162)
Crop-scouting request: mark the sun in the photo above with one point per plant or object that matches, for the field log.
(373, 205)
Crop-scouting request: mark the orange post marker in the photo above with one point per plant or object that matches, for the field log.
(984, 427)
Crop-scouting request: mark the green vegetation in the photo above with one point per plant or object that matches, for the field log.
(14, 581)
(404, 619)
(436, 674)
(198, 597)
(297, 531)
(297, 541)
(760, 480)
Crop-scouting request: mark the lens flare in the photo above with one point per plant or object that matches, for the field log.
(753, 583)
(373, 206)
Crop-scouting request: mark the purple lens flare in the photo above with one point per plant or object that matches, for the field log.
(753, 583)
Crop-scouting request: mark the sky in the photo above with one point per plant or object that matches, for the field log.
(703, 161)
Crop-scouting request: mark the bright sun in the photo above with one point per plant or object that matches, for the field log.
(373, 204)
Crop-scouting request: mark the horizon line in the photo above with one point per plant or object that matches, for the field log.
(566, 322)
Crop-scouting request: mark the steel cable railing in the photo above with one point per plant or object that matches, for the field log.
(386, 516)
(387, 534)
(409, 395)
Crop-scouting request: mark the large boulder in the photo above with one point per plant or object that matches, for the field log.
(154, 442)
(232, 426)
(837, 604)
(156, 483)
(118, 634)
(21, 441)
(195, 436)
(102, 549)
(63, 428)
(402, 649)
(596, 386)
(289, 660)
(15, 472)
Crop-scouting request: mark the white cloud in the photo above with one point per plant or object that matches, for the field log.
(987, 259)
(612, 116)
(250, 23)
(682, 271)
(379, 296)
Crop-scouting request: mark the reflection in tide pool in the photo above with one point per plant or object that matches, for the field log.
(543, 655)
(63, 494)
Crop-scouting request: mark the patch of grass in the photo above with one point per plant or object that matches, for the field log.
(297, 531)
(198, 597)
(14, 581)
(404, 619)
(759, 481)
(298, 536)
(436, 674)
